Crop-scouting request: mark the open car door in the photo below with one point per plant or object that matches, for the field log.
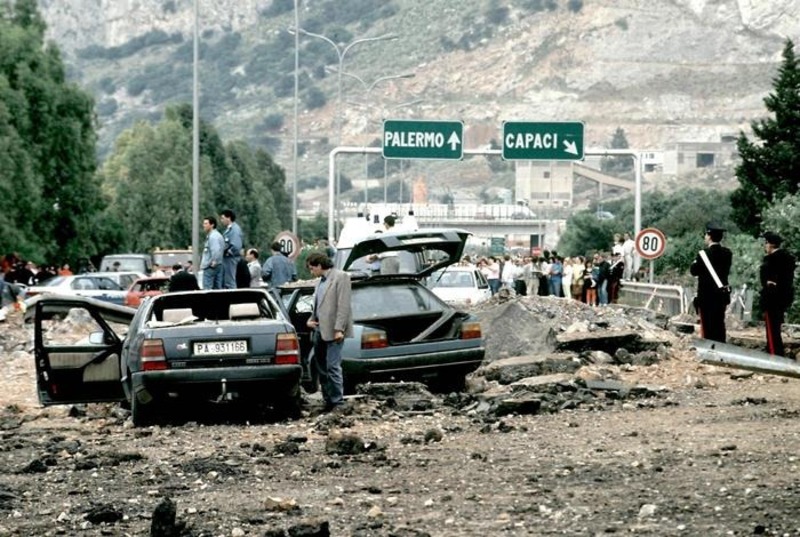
(77, 344)
(298, 302)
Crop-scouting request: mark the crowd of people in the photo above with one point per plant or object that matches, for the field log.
(594, 280)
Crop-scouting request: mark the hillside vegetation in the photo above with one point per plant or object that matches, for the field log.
(664, 71)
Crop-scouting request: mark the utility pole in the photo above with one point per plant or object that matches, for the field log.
(341, 52)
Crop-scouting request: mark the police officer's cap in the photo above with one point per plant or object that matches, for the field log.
(772, 238)
(713, 226)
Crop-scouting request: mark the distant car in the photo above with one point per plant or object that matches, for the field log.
(604, 215)
(145, 287)
(166, 259)
(141, 263)
(222, 346)
(93, 285)
(124, 278)
(402, 330)
(459, 286)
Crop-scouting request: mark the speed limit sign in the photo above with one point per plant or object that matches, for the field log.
(650, 243)
(290, 244)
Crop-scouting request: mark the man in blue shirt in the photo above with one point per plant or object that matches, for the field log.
(278, 269)
(233, 247)
(211, 263)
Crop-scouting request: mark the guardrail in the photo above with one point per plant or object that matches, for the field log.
(667, 299)
(674, 299)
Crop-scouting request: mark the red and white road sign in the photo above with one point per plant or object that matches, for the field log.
(650, 243)
(290, 244)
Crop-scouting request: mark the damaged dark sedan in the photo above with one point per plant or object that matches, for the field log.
(402, 330)
(223, 346)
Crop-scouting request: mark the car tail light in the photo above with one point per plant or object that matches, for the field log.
(374, 339)
(471, 330)
(287, 349)
(153, 356)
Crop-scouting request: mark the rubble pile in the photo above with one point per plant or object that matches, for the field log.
(545, 354)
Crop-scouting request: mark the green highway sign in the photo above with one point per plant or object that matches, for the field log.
(411, 139)
(524, 140)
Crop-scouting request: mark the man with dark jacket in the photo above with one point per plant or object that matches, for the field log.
(712, 301)
(777, 289)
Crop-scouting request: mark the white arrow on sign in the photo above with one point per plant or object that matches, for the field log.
(454, 141)
(570, 147)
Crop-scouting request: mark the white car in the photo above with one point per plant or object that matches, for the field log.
(101, 286)
(460, 286)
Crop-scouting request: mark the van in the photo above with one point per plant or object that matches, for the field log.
(166, 259)
(142, 263)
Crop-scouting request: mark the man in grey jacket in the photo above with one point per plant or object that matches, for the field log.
(332, 322)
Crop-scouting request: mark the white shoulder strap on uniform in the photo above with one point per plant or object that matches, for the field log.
(710, 268)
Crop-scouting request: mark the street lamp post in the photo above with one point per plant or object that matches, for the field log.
(368, 90)
(195, 144)
(341, 52)
(383, 111)
(296, 99)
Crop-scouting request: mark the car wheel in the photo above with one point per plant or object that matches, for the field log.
(291, 406)
(350, 385)
(310, 380)
(448, 383)
(141, 414)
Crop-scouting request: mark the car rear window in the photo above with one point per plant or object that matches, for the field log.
(457, 279)
(397, 300)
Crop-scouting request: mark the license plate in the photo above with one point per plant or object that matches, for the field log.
(220, 347)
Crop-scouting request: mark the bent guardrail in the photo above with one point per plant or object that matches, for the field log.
(667, 299)
(726, 355)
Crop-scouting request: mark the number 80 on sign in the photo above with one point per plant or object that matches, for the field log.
(650, 243)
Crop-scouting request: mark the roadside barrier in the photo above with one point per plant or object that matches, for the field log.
(667, 299)
(674, 299)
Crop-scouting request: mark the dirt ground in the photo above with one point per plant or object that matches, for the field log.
(715, 452)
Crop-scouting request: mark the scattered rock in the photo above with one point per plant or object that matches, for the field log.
(104, 514)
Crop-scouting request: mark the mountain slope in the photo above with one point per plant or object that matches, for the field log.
(664, 70)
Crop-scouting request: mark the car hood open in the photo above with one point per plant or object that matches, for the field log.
(439, 248)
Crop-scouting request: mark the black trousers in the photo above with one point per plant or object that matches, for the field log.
(712, 321)
(774, 320)
(520, 287)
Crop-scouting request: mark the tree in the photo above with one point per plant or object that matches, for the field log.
(617, 164)
(769, 166)
(149, 173)
(47, 138)
(275, 178)
(585, 234)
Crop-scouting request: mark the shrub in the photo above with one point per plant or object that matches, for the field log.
(277, 7)
(314, 98)
(106, 107)
(273, 122)
(107, 85)
(575, 5)
(131, 47)
(136, 85)
(497, 14)
(535, 6)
